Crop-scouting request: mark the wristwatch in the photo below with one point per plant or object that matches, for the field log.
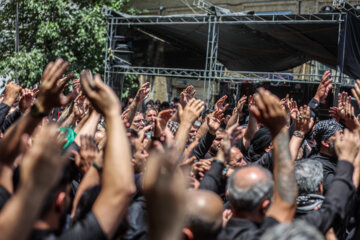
(37, 111)
(298, 134)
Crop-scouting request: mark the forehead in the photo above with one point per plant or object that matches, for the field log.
(151, 111)
(139, 116)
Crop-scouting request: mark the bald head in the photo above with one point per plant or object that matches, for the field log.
(204, 213)
(248, 187)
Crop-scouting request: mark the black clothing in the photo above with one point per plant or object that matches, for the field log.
(238, 229)
(89, 228)
(4, 109)
(201, 150)
(11, 119)
(137, 220)
(329, 168)
(213, 180)
(314, 106)
(4, 197)
(334, 210)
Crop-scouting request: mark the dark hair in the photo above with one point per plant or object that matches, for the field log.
(203, 230)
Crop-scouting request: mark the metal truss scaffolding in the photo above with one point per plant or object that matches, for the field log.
(214, 71)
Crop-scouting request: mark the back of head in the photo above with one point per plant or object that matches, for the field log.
(297, 230)
(203, 214)
(260, 141)
(248, 187)
(324, 130)
(309, 175)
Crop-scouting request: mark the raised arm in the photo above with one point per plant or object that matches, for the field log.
(236, 112)
(141, 95)
(41, 169)
(252, 126)
(118, 177)
(270, 113)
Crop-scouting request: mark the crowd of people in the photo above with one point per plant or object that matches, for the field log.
(82, 165)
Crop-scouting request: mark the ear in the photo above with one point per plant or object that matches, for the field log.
(188, 234)
(60, 202)
(321, 188)
(264, 206)
(325, 143)
(267, 149)
(133, 162)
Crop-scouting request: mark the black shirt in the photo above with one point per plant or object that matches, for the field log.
(4, 196)
(238, 229)
(89, 228)
(329, 168)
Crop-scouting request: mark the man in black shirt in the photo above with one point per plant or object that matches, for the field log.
(250, 189)
(324, 135)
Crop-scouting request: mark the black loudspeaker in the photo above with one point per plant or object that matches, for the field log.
(122, 51)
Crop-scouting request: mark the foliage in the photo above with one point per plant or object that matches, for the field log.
(72, 29)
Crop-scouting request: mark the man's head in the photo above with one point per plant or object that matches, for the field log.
(309, 176)
(150, 115)
(249, 191)
(297, 230)
(139, 122)
(324, 135)
(216, 144)
(260, 143)
(203, 214)
(237, 158)
(192, 134)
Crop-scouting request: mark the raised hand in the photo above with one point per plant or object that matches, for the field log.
(219, 105)
(214, 121)
(268, 111)
(293, 109)
(186, 95)
(88, 153)
(11, 93)
(192, 111)
(52, 86)
(303, 122)
(347, 147)
(27, 98)
(79, 109)
(43, 163)
(356, 91)
(102, 97)
(324, 87)
(142, 93)
(241, 103)
(351, 121)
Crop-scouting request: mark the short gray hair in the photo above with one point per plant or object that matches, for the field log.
(309, 174)
(248, 199)
(297, 230)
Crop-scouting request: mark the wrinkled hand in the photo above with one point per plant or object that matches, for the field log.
(324, 87)
(11, 93)
(51, 86)
(79, 109)
(214, 121)
(186, 95)
(200, 168)
(43, 164)
(219, 105)
(102, 97)
(191, 112)
(235, 133)
(268, 111)
(27, 98)
(303, 122)
(356, 92)
(347, 147)
(88, 153)
(142, 93)
(165, 115)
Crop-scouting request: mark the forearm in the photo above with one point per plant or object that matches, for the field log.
(250, 131)
(66, 113)
(11, 141)
(204, 128)
(294, 145)
(89, 127)
(69, 121)
(182, 135)
(285, 186)
(132, 111)
(175, 117)
(21, 212)
(233, 120)
(118, 178)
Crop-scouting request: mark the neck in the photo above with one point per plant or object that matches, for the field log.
(255, 218)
